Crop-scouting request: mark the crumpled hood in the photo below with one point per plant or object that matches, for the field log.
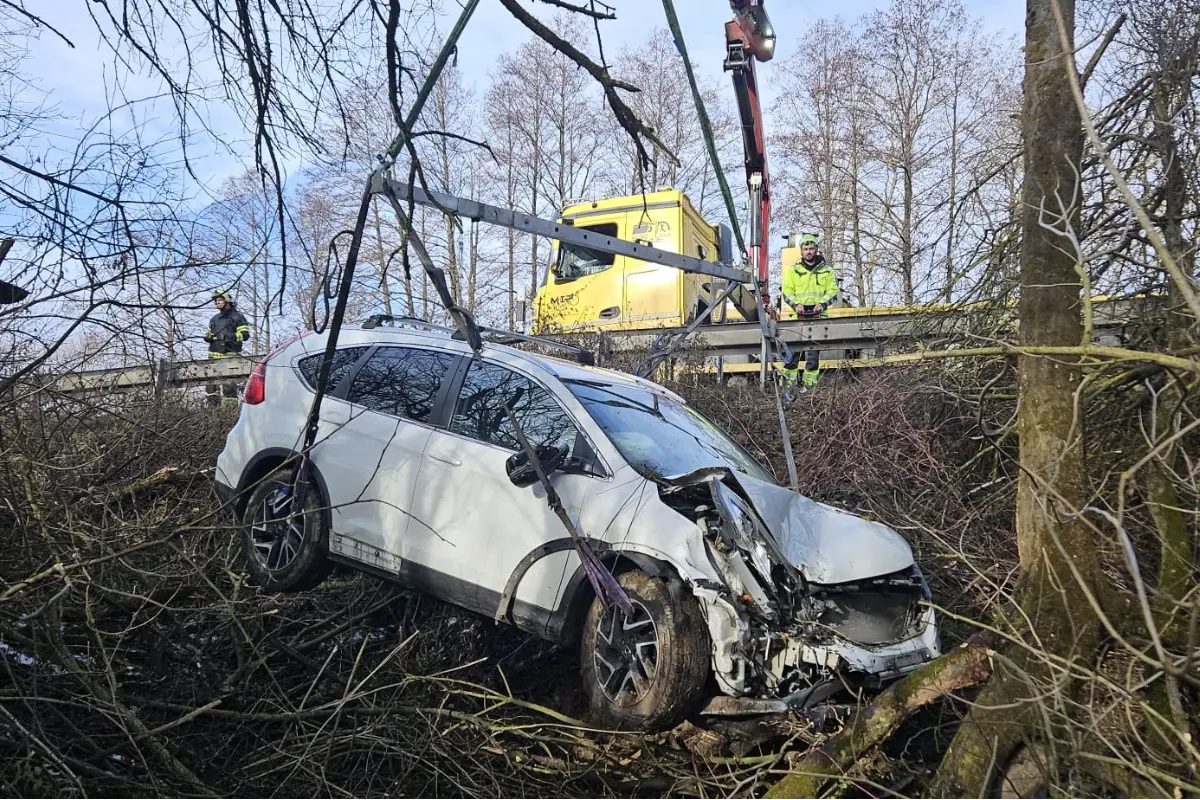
(827, 545)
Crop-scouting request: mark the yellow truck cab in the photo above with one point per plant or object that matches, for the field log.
(590, 290)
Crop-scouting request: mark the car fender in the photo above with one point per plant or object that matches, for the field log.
(564, 621)
(253, 471)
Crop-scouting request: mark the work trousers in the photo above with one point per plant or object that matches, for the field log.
(225, 392)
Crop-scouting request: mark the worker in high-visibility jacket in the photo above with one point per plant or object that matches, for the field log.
(809, 287)
(226, 332)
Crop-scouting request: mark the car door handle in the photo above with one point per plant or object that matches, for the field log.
(454, 462)
(610, 312)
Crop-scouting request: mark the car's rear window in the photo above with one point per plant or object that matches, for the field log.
(343, 360)
(401, 381)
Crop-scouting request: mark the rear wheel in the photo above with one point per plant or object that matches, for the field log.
(646, 669)
(285, 551)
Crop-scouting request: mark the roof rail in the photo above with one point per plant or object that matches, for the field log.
(495, 335)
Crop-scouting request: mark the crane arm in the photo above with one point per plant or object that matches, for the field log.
(750, 37)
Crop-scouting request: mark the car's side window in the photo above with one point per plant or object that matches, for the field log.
(343, 360)
(401, 381)
(480, 412)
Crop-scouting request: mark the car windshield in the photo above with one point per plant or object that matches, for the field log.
(662, 435)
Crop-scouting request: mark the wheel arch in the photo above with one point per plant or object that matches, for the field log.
(263, 464)
(566, 622)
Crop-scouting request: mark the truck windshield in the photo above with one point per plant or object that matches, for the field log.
(577, 261)
(664, 436)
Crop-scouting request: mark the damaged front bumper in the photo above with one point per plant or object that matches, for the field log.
(752, 658)
(780, 638)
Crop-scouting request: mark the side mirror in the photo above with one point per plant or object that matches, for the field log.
(522, 473)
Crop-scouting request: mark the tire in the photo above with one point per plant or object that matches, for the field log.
(650, 670)
(285, 563)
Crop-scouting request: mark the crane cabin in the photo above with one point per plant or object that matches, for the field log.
(588, 290)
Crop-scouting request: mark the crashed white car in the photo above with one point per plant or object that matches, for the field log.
(746, 597)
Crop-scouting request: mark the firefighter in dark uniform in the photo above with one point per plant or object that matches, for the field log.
(226, 332)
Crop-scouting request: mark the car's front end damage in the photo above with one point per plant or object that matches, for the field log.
(810, 600)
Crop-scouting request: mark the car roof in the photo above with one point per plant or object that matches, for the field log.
(561, 368)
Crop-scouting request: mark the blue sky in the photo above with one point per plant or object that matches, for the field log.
(75, 80)
(494, 31)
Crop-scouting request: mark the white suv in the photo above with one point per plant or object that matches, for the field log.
(737, 585)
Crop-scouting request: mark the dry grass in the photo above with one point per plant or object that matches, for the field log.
(136, 659)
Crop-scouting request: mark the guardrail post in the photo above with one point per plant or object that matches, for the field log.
(162, 376)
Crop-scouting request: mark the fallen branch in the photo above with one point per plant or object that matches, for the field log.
(1096, 351)
(960, 669)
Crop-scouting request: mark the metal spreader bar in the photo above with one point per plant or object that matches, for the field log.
(507, 218)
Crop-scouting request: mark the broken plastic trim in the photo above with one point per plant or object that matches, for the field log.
(742, 549)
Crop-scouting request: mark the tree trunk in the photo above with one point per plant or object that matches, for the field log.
(1171, 94)
(424, 276)
(906, 233)
(255, 327)
(1050, 315)
(950, 223)
(1058, 555)
(510, 196)
(533, 210)
(856, 218)
(384, 289)
(451, 250)
(267, 301)
(472, 264)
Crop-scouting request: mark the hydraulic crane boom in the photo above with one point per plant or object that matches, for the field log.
(750, 37)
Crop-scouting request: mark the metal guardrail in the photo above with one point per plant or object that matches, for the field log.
(158, 375)
(848, 329)
(861, 329)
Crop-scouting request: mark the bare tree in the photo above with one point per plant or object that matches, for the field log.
(665, 102)
(1058, 550)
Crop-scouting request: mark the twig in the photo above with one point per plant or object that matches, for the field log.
(587, 12)
(1186, 290)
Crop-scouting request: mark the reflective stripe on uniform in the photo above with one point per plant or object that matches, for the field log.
(805, 287)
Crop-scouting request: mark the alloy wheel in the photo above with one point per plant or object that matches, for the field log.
(277, 533)
(626, 653)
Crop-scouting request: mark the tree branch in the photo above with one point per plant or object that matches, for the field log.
(875, 723)
(1104, 43)
(624, 114)
(1182, 280)
(587, 12)
(36, 20)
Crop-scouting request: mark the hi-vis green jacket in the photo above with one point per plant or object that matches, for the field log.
(809, 284)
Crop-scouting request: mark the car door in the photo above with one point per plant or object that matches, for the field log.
(479, 526)
(334, 413)
(373, 455)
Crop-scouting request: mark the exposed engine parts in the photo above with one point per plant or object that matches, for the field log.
(775, 632)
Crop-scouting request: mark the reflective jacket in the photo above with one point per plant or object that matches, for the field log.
(809, 284)
(226, 332)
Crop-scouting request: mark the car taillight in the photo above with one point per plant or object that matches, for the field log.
(256, 387)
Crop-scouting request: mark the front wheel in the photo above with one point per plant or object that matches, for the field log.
(648, 669)
(285, 550)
